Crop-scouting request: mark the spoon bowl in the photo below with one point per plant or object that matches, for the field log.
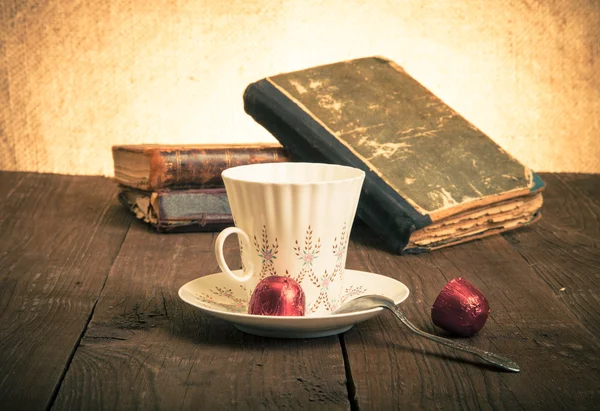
(367, 302)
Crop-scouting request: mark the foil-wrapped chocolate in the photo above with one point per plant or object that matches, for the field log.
(277, 295)
(460, 308)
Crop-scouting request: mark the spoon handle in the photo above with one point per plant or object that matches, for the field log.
(495, 359)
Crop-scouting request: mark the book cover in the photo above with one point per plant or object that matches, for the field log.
(154, 167)
(424, 162)
(180, 210)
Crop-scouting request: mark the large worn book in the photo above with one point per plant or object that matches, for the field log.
(432, 178)
(154, 167)
(205, 209)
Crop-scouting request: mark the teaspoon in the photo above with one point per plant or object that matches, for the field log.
(367, 302)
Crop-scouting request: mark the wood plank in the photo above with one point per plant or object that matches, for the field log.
(59, 237)
(9, 181)
(564, 247)
(392, 368)
(147, 349)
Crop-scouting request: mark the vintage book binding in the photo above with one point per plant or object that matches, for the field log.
(205, 209)
(154, 167)
(433, 179)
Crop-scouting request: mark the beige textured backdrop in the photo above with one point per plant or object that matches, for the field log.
(79, 76)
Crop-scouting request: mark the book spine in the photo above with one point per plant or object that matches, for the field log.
(173, 206)
(175, 168)
(178, 212)
(208, 223)
(380, 207)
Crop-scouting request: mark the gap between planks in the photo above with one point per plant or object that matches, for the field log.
(58, 386)
(350, 385)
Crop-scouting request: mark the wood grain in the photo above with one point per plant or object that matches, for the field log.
(146, 349)
(90, 317)
(392, 368)
(59, 237)
(9, 181)
(564, 248)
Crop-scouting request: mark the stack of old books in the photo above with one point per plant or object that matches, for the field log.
(433, 179)
(179, 188)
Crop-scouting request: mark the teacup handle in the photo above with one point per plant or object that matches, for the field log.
(221, 259)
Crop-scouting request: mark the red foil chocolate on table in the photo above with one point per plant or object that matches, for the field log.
(277, 295)
(460, 308)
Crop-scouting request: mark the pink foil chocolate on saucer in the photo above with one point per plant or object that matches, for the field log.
(278, 295)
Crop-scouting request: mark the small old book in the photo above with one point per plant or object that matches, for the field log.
(432, 178)
(204, 209)
(154, 167)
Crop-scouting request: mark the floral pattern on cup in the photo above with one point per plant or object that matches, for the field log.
(308, 253)
(335, 303)
(326, 279)
(268, 252)
(323, 297)
(338, 250)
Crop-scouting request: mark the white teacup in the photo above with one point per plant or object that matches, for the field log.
(293, 219)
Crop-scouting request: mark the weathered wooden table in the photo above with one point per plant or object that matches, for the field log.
(90, 317)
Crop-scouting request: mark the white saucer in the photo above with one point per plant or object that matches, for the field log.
(223, 297)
